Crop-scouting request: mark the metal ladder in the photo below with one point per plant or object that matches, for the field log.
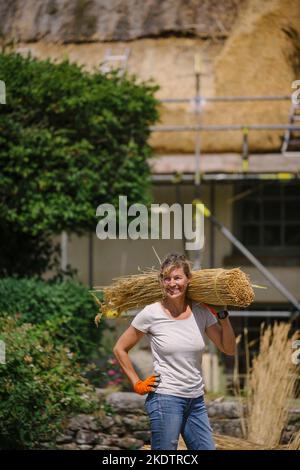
(115, 61)
(291, 140)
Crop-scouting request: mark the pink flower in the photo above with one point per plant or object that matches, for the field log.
(111, 382)
(119, 379)
(111, 372)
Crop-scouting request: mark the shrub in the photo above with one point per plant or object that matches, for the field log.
(40, 385)
(66, 308)
(113, 376)
(106, 372)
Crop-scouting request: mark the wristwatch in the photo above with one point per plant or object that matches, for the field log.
(222, 314)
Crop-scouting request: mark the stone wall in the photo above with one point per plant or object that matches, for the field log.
(125, 424)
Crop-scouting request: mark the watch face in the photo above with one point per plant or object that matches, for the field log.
(223, 314)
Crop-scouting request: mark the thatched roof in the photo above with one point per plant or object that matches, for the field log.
(257, 54)
(68, 21)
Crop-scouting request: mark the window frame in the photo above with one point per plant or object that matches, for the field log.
(282, 198)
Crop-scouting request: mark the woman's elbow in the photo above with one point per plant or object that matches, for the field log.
(229, 352)
(116, 350)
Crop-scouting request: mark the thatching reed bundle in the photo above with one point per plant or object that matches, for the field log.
(294, 444)
(212, 286)
(272, 385)
(223, 443)
(234, 443)
(221, 287)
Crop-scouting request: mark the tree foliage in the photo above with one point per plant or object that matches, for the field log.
(69, 141)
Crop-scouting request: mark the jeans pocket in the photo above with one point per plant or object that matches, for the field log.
(151, 404)
(147, 400)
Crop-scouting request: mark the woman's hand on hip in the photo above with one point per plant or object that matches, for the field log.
(148, 385)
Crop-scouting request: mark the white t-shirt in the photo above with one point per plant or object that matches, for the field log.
(177, 347)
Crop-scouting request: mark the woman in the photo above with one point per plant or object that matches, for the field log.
(175, 327)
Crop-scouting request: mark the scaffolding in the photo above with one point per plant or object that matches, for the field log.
(291, 139)
(198, 100)
(115, 61)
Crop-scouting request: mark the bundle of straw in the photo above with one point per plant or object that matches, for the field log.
(223, 442)
(211, 286)
(294, 444)
(221, 287)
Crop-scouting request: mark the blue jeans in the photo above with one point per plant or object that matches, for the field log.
(171, 416)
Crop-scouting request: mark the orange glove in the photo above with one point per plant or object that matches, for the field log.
(145, 386)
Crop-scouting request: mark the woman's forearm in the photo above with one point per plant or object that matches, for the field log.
(126, 364)
(227, 336)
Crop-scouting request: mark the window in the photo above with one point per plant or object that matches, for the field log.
(267, 217)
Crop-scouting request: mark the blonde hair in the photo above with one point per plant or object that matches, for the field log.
(173, 261)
